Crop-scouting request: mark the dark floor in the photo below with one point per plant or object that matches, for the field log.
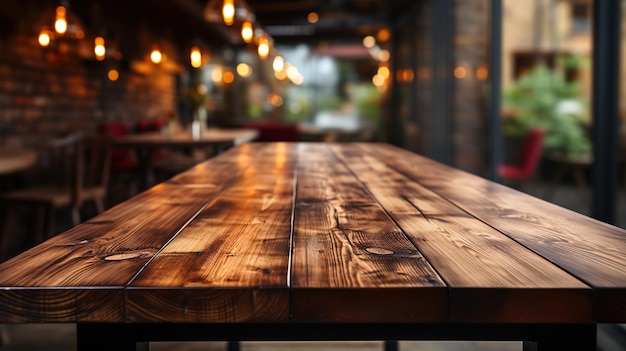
(61, 337)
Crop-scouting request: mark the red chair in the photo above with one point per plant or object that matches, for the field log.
(122, 159)
(524, 169)
(272, 131)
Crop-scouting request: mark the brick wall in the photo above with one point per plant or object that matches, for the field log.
(51, 91)
(469, 111)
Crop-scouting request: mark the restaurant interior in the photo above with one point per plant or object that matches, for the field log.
(523, 93)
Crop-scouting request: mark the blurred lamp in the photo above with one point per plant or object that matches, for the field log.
(99, 49)
(60, 22)
(44, 38)
(278, 64)
(247, 33)
(228, 12)
(196, 57)
(264, 47)
(156, 56)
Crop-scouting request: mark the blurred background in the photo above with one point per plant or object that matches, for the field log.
(463, 82)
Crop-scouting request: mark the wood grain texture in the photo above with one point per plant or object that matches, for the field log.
(467, 253)
(328, 233)
(348, 255)
(590, 250)
(240, 240)
(47, 305)
(105, 252)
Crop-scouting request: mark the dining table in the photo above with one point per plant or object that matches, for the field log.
(325, 241)
(14, 159)
(177, 139)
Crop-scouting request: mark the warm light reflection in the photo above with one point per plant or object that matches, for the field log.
(228, 77)
(228, 12)
(244, 70)
(247, 33)
(216, 74)
(383, 71)
(44, 38)
(195, 56)
(156, 56)
(281, 155)
(460, 72)
(264, 47)
(383, 35)
(408, 75)
(275, 99)
(280, 75)
(60, 22)
(378, 80)
(113, 75)
(482, 73)
(278, 64)
(292, 72)
(99, 49)
(298, 79)
(313, 17)
(369, 41)
(384, 56)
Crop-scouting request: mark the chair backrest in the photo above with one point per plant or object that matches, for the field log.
(531, 151)
(93, 165)
(77, 162)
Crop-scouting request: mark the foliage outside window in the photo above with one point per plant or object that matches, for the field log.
(542, 98)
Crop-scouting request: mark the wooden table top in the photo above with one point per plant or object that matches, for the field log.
(314, 232)
(182, 138)
(16, 159)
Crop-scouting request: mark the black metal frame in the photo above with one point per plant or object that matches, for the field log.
(495, 77)
(536, 337)
(606, 55)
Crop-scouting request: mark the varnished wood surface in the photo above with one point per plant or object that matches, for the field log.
(324, 233)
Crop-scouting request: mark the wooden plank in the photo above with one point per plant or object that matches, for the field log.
(230, 264)
(92, 262)
(351, 263)
(482, 267)
(593, 251)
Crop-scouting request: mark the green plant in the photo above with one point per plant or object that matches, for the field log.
(534, 102)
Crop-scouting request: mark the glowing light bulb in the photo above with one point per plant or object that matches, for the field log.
(313, 17)
(264, 47)
(228, 12)
(247, 33)
(156, 56)
(244, 70)
(278, 64)
(113, 75)
(44, 38)
(60, 23)
(196, 57)
(99, 49)
(369, 41)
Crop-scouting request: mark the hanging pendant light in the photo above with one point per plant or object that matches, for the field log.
(264, 47)
(99, 49)
(228, 12)
(247, 32)
(60, 20)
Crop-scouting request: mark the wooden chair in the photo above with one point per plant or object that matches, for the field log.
(74, 170)
(126, 170)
